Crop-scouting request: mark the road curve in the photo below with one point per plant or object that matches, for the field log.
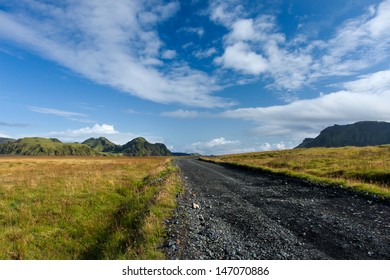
(247, 215)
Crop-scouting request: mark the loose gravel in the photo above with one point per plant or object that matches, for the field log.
(226, 213)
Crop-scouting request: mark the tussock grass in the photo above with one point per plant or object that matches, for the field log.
(85, 208)
(364, 169)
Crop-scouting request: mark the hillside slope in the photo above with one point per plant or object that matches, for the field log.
(140, 147)
(102, 144)
(36, 146)
(367, 133)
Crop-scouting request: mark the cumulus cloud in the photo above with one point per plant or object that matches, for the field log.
(219, 146)
(97, 129)
(255, 46)
(240, 57)
(112, 43)
(222, 146)
(275, 146)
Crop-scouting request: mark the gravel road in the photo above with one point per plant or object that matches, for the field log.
(226, 213)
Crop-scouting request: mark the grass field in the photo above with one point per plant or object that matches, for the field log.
(362, 168)
(85, 207)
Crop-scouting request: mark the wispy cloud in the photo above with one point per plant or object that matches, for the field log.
(65, 114)
(112, 43)
(255, 46)
(13, 124)
(196, 30)
(168, 54)
(185, 114)
(60, 113)
(205, 53)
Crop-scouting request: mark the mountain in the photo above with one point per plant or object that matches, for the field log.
(366, 133)
(36, 146)
(2, 140)
(102, 144)
(140, 147)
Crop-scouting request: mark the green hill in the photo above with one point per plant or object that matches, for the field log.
(36, 146)
(102, 144)
(140, 147)
(367, 133)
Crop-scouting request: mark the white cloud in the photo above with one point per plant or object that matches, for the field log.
(5, 135)
(112, 43)
(181, 114)
(96, 130)
(226, 12)
(356, 45)
(55, 112)
(168, 54)
(375, 83)
(197, 30)
(275, 146)
(241, 58)
(362, 100)
(219, 146)
(205, 53)
(79, 117)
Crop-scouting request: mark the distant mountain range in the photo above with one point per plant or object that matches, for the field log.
(366, 133)
(91, 147)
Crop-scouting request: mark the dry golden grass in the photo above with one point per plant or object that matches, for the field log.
(83, 207)
(363, 168)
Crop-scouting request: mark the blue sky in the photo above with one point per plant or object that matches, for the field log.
(200, 76)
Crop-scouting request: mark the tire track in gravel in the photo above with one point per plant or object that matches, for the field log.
(247, 215)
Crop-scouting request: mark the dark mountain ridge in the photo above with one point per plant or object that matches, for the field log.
(365, 133)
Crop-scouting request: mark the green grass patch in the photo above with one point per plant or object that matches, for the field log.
(85, 208)
(365, 169)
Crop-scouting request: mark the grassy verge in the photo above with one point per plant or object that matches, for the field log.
(365, 169)
(85, 208)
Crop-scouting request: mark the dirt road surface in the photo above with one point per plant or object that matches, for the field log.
(225, 213)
